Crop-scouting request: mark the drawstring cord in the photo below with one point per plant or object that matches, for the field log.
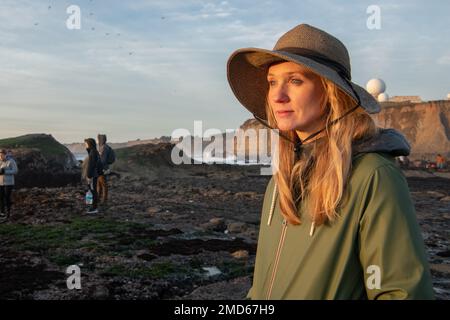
(311, 231)
(298, 144)
(272, 209)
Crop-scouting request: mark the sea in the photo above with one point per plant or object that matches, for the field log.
(207, 159)
(80, 156)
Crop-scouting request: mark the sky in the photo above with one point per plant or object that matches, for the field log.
(142, 69)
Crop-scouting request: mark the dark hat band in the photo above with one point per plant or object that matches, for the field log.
(320, 58)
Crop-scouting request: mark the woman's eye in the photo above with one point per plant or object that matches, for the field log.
(296, 81)
(271, 82)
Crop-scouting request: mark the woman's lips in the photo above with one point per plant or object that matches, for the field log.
(284, 113)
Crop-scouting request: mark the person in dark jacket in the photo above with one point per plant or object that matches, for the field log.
(91, 168)
(107, 156)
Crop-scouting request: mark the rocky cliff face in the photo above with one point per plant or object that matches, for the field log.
(426, 125)
(152, 160)
(256, 132)
(42, 161)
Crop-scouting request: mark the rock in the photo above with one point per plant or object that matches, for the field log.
(237, 227)
(246, 194)
(215, 192)
(444, 254)
(147, 256)
(447, 198)
(235, 289)
(153, 210)
(42, 161)
(444, 268)
(100, 292)
(435, 194)
(240, 254)
(215, 224)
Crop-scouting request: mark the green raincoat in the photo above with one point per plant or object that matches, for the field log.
(374, 250)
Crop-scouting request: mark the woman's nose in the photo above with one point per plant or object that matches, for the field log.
(279, 94)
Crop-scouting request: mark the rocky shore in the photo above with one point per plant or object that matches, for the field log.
(189, 234)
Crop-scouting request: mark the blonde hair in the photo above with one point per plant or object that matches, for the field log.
(320, 178)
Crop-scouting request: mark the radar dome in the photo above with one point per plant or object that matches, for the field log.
(383, 97)
(375, 87)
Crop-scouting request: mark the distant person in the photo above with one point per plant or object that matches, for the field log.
(107, 156)
(91, 170)
(9, 155)
(404, 162)
(440, 161)
(8, 168)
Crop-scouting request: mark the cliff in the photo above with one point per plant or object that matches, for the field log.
(426, 125)
(42, 161)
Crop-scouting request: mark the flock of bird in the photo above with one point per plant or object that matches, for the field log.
(93, 28)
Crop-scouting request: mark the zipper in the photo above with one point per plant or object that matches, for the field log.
(272, 205)
(277, 259)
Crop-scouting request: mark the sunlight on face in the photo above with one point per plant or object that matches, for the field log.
(295, 97)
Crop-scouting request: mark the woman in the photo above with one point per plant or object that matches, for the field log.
(8, 168)
(337, 219)
(91, 169)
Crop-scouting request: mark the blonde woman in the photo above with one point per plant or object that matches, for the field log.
(337, 219)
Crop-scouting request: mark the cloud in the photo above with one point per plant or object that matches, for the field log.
(444, 60)
(146, 67)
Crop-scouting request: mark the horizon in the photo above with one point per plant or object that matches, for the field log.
(144, 69)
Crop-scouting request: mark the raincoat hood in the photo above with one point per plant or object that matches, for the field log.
(101, 139)
(386, 141)
(91, 144)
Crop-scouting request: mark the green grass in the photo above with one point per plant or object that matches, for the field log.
(235, 269)
(123, 155)
(64, 260)
(46, 144)
(68, 236)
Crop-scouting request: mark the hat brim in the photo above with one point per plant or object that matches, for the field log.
(247, 76)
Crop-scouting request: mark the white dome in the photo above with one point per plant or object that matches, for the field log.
(375, 87)
(383, 97)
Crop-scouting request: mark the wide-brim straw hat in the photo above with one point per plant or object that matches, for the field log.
(306, 45)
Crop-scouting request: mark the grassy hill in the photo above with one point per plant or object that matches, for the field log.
(43, 142)
(42, 161)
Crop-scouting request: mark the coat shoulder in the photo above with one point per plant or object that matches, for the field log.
(364, 165)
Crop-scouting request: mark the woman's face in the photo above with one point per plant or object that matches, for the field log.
(295, 96)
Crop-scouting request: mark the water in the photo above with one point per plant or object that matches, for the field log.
(80, 156)
(207, 158)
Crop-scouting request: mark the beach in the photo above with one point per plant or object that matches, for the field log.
(190, 233)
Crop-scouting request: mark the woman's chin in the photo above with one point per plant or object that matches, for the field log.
(285, 126)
